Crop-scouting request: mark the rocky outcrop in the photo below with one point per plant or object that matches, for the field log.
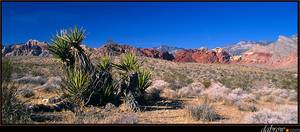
(235, 59)
(30, 48)
(184, 56)
(203, 55)
(153, 53)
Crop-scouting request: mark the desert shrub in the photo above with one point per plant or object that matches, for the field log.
(240, 95)
(292, 95)
(177, 80)
(273, 94)
(27, 92)
(152, 96)
(245, 106)
(206, 83)
(13, 110)
(53, 83)
(36, 72)
(192, 90)
(204, 112)
(281, 116)
(216, 92)
(7, 69)
(169, 93)
(289, 83)
(158, 84)
(33, 80)
(244, 82)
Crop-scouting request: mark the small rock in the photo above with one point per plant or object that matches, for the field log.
(54, 100)
(110, 106)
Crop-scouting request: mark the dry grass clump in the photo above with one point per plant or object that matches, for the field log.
(204, 112)
(283, 115)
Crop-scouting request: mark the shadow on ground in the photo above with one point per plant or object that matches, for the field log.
(166, 104)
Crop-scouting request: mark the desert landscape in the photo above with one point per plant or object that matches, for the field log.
(183, 86)
(150, 63)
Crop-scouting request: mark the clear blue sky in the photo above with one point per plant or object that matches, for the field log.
(148, 24)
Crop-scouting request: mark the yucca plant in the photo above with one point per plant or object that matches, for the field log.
(144, 80)
(62, 50)
(98, 89)
(94, 85)
(128, 63)
(105, 63)
(76, 83)
(66, 47)
(134, 80)
(103, 86)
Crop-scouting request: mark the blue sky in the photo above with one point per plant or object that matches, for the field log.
(149, 24)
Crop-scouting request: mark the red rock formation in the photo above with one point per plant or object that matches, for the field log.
(147, 52)
(202, 56)
(184, 56)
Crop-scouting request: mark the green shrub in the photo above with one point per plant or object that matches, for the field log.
(7, 69)
(206, 83)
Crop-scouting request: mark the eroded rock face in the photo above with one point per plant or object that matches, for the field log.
(184, 56)
(30, 48)
(147, 52)
(203, 55)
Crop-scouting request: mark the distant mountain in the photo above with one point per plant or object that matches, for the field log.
(30, 48)
(166, 48)
(281, 53)
(242, 46)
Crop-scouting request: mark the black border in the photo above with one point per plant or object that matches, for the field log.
(221, 127)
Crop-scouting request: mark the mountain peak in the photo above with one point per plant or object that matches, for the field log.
(282, 38)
